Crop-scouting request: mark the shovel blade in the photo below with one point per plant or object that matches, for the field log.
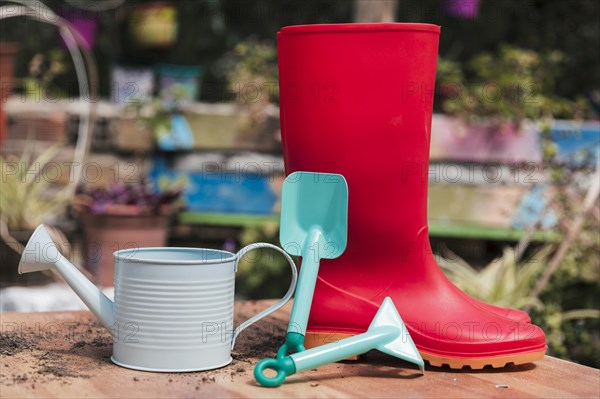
(314, 202)
(402, 347)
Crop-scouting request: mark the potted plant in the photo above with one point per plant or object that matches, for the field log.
(250, 69)
(163, 116)
(252, 74)
(42, 123)
(179, 80)
(123, 216)
(44, 68)
(30, 194)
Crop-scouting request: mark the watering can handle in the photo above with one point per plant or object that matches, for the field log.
(275, 306)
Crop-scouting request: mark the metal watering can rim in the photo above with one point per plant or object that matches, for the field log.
(131, 255)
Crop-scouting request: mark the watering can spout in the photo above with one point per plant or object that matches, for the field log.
(41, 253)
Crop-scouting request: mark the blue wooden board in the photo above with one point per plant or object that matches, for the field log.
(577, 143)
(220, 191)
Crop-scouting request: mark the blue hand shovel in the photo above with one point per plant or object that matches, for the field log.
(314, 224)
(387, 333)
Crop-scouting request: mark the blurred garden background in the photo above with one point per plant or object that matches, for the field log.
(165, 123)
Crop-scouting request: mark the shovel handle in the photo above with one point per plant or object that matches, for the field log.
(283, 366)
(306, 284)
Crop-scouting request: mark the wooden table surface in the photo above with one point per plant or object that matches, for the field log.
(67, 355)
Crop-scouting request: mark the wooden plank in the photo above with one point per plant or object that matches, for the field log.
(439, 228)
(454, 140)
(228, 219)
(467, 231)
(488, 206)
(69, 357)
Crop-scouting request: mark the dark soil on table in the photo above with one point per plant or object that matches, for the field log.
(55, 364)
(12, 343)
(88, 346)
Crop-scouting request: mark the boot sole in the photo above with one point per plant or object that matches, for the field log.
(314, 339)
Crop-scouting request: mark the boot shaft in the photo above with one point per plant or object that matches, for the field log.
(357, 99)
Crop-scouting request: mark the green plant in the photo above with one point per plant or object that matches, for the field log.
(572, 279)
(506, 281)
(156, 113)
(508, 86)
(264, 274)
(449, 75)
(44, 67)
(255, 62)
(510, 282)
(29, 195)
(252, 75)
(97, 200)
(571, 334)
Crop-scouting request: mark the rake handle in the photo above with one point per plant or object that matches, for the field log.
(345, 348)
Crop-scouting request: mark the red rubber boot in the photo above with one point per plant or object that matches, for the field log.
(329, 90)
(356, 99)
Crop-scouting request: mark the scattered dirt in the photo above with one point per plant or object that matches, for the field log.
(51, 356)
(84, 347)
(13, 343)
(53, 364)
(258, 342)
(58, 371)
(99, 342)
(79, 344)
(50, 361)
(20, 378)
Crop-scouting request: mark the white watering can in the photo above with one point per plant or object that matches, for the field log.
(173, 307)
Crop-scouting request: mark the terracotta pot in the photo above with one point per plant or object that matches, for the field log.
(7, 57)
(122, 227)
(51, 127)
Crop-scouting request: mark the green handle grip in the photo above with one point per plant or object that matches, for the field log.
(294, 342)
(283, 366)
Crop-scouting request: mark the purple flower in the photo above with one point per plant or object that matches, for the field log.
(139, 194)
